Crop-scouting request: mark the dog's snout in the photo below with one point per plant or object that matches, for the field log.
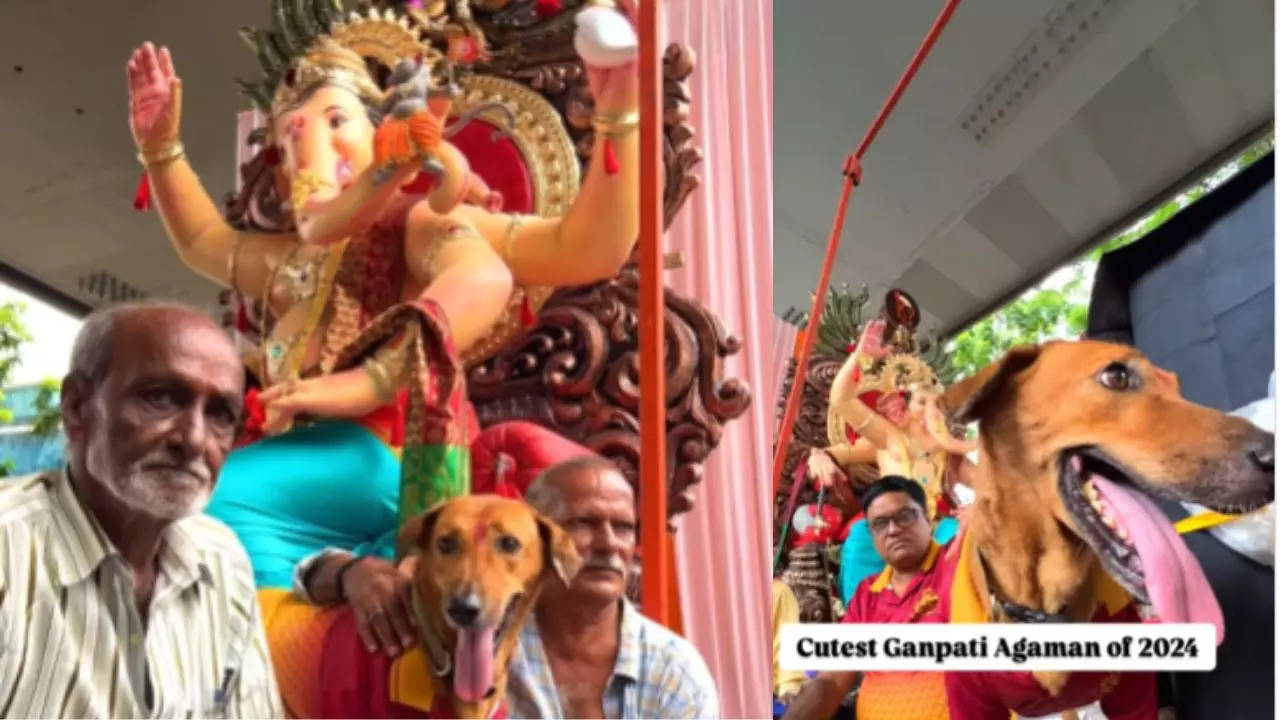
(1263, 454)
(463, 611)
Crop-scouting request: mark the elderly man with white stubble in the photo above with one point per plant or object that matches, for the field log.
(119, 598)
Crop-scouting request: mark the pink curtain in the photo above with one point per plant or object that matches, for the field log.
(784, 346)
(725, 233)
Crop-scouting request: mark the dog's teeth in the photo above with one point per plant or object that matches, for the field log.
(1108, 521)
(1122, 534)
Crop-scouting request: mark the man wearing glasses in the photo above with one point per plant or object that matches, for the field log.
(908, 590)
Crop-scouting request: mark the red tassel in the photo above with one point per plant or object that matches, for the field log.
(527, 318)
(243, 324)
(611, 166)
(547, 8)
(142, 198)
(254, 415)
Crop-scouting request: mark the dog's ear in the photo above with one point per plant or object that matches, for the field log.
(558, 551)
(969, 399)
(415, 533)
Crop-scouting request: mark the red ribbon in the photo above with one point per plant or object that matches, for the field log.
(142, 197)
(527, 316)
(611, 165)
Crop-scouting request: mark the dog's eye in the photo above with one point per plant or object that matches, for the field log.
(508, 544)
(1118, 376)
(447, 545)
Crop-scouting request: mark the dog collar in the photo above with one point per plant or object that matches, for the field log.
(1015, 612)
(1023, 614)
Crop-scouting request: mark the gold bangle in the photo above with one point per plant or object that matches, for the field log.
(510, 238)
(617, 124)
(163, 157)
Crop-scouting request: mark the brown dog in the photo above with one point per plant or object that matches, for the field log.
(482, 561)
(1074, 437)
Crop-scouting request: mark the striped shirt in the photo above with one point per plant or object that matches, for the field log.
(72, 643)
(658, 674)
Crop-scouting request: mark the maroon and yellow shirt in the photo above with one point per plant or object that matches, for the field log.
(901, 694)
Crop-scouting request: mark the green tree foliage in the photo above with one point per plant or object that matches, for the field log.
(13, 336)
(48, 413)
(1031, 319)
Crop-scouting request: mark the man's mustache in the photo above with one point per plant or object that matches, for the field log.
(607, 562)
(163, 461)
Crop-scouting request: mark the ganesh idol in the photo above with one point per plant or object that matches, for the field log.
(399, 259)
(884, 414)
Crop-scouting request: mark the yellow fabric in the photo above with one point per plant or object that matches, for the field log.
(1202, 521)
(882, 580)
(296, 632)
(903, 696)
(969, 593)
(411, 681)
(786, 609)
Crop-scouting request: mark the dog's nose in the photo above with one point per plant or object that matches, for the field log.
(463, 611)
(1263, 454)
(1265, 458)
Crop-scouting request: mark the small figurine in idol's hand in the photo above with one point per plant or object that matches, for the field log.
(414, 112)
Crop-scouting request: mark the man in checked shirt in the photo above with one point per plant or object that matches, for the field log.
(588, 652)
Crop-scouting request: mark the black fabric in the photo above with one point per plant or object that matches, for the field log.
(1197, 294)
(1197, 297)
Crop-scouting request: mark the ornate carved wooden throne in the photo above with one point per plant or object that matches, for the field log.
(575, 369)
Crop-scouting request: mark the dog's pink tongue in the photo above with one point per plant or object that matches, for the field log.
(473, 664)
(1178, 589)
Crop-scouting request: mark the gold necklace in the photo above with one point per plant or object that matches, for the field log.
(289, 355)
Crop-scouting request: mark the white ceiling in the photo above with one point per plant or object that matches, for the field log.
(68, 172)
(1160, 88)
(1164, 86)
